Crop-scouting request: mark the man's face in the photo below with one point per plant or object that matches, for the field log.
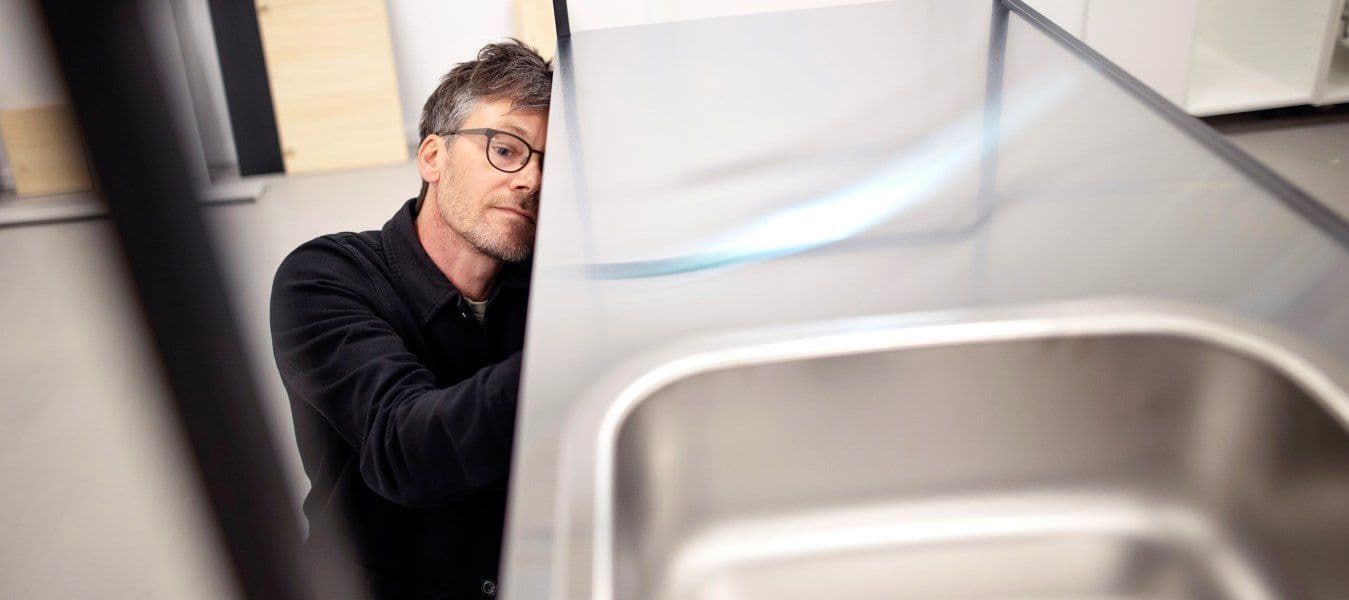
(492, 210)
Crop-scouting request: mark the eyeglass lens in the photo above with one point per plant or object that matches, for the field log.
(507, 153)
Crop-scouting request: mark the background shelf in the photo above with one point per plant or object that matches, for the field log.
(1337, 80)
(1219, 85)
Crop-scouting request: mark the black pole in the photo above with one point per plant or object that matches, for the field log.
(561, 19)
(104, 53)
(248, 94)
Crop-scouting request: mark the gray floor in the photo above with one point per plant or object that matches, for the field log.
(1308, 146)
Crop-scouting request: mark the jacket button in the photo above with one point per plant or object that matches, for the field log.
(489, 587)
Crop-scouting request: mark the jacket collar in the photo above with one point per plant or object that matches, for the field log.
(420, 283)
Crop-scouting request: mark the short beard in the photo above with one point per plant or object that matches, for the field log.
(478, 233)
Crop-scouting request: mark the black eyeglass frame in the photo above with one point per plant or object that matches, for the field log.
(487, 148)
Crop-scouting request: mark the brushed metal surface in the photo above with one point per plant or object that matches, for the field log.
(826, 168)
(1094, 466)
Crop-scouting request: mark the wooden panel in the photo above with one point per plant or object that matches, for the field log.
(45, 152)
(334, 88)
(534, 25)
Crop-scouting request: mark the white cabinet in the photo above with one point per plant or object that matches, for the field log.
(1219, 56)
(1149, 38)
(1336, 87)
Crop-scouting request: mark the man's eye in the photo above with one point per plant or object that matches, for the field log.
(504, 151)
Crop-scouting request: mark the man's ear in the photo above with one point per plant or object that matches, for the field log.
(428, 158)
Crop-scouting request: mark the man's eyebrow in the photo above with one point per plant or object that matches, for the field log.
(513, 127)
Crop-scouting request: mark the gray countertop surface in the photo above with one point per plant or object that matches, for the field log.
(737, 173)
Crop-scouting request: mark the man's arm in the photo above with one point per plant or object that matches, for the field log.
(419, 444)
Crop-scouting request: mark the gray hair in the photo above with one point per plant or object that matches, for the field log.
(504, 71)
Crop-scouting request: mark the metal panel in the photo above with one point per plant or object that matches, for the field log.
(822, 168)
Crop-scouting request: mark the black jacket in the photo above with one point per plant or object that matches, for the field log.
(404, 407)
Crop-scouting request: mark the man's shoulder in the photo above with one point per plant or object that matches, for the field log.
(328, 273)
(347, 249)
(362, 243)
(339, 255)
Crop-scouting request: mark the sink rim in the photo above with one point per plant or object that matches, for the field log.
(590, 434)
(1055, 513)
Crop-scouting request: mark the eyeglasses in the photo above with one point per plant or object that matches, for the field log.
(505, 151)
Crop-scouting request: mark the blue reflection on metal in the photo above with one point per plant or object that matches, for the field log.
(912, 178)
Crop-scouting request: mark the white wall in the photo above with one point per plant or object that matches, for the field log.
(431, 36)
(600, 14)
(98, 501)
(27, 72)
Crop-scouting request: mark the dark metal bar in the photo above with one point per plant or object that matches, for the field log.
(103, 50)
(561, 20)
(257, 145)
(1328, 221)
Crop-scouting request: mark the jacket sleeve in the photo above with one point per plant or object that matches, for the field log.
(418, 444)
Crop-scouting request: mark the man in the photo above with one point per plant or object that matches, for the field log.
(400, 348)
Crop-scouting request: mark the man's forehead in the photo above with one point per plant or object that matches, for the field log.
(503, 110)
(511, 126)
(498, 114)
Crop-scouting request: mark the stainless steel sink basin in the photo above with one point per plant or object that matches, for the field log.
(1080, 458)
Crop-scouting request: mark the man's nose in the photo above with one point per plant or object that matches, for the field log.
(527, 179)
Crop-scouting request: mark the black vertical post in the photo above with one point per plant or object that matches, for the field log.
(248, 95)
(561, 20)
(120, 102)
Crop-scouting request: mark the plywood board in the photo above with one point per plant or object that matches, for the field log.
(46, 154)
(534, 25)
(334, 87)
